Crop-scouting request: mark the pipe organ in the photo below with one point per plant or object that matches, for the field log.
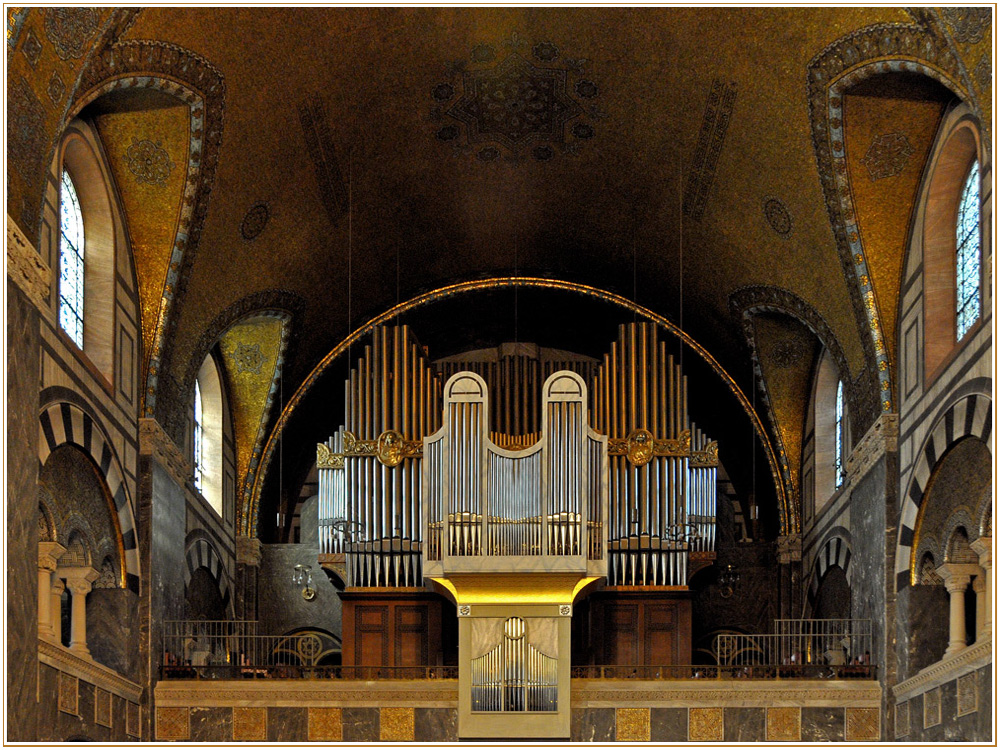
(511, 482)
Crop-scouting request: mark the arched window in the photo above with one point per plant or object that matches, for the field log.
(967, 255)
(838, 451)
(207, 438)
(71, 261)
(199, 420)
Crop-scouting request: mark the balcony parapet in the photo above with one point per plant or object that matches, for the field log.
(950, 668)
(61, 658)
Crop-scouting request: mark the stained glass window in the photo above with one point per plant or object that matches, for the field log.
(838, 453)
(967, 265)
(199, 420)
(71, 263)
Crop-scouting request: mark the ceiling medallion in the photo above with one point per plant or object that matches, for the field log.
(254, 221)
(887, 156)
(778, 217)
(517, 103)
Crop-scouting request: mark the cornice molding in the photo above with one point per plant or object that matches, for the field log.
(967, 660)
(156, 443)
(26, 268)
(882, 437)
(61, 658)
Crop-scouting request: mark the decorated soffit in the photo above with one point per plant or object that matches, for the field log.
(147, 150)
(971, 32)
(253, 352)
(785, 351)
(887, 138)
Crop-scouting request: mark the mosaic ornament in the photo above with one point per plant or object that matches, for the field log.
(518, 98)
(56, 88)
(148, 162)
(969, 25)
(887, 156)
(248, 358)
(32, 48)
(984, 71)
(786, 354)
(778, 217)
(254, 221)
(70, 30)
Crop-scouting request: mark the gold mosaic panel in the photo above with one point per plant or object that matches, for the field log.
(784, 725)
(902, 719)
(102, 707)
(325, 724)
(862, 724)
(152, 208)
(968, 700)
(932, 708)
(396, 725)
(69, 694)
(250, 352)
(632, 724)
(705, 725)
(173, 723)
(249, 724)
(132, 728)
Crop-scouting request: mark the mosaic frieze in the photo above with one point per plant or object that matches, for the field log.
(711, 139)
(783, 725)
(887, 156)
(396, 725)
(862, 724)
(632, 724)
(516, 101)
(70, 30)
(254, 221)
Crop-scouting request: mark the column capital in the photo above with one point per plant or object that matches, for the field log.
(983, 546)
(956, 576)
(79, 580)
(49, 554)
(248, 551)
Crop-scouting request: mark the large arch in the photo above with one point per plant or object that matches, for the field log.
(61, 423)
(788, 514)
(836, 551)
(969, 416)
(201, 553)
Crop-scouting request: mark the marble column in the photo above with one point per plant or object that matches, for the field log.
(48, 559)
(956, 579)
(983, 547)
(58, 587)
(79, 581)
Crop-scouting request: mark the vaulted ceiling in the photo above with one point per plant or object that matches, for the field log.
(709, 163)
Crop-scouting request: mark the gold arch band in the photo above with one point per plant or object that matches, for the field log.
(787, 513)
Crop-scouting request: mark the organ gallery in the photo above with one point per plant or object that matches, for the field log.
(499, 374)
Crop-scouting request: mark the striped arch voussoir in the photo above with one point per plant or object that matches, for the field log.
(67, 424)
(971, 416)
(836, 551)
(201, 554)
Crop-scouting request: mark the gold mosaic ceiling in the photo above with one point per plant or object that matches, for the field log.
(655, 149)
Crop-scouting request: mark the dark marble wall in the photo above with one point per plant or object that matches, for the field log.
(112, 630)
(167, 600)
(921, 628)
(868, 524)
(281, 607)
(976, 726)
(23, 378)
(55, 725)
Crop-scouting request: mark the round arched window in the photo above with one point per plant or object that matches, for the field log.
(71, 261)
(967, 252)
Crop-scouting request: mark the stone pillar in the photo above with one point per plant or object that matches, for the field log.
(248, 556)
(983, 547)
(79, 581)
(56, 611)
(790, 560)
(48, 558)
(956, 578)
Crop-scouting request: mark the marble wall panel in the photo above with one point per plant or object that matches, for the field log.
(281, 607)
(214, 724)
(112, 630)
(167, 600)
(743, 725)
(361, 724)
(668, 725)
(435, 725)
(287, 724)
(868, 522)
(984, 716)
(592, 725)
(23, 379)
(821, 724)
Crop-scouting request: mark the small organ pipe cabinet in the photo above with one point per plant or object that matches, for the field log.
(485, 501)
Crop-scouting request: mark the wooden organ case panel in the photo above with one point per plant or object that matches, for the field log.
(641, 628)
(388, 629)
